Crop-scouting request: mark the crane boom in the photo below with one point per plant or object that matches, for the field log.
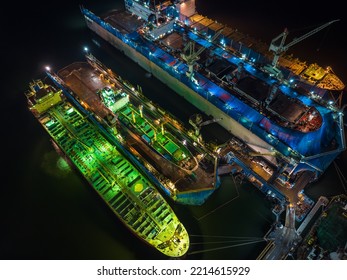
(281, 48)
(190, 56)
(197, 123)
(209, 122)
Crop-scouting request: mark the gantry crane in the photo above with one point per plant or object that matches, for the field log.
(190, 56)
(280, 48)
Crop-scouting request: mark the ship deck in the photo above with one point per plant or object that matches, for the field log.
(123, 21)
(84, 80)
(314, 74)
(252, 89)
(127, 23)
(125, 190)
(290, 111)
(79, 82)
(212, 79)
(173, 41)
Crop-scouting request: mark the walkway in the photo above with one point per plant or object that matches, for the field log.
(321, 201)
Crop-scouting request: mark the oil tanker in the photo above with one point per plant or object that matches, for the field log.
(107, 167)
(285, 112)
(178, 163)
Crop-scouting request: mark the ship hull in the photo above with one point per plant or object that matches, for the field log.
(102, 162)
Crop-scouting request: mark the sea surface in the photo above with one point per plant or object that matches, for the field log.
(50, 212)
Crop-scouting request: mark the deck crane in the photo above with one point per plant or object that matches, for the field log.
(279, 48)
(197, 123)
(190, 56)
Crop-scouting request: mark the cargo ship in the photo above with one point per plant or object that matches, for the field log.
(276, 110)
(100, 159)
(179, 164)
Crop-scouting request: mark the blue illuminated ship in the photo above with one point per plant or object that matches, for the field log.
(284, 115)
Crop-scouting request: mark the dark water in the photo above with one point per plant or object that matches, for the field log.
(50, 213)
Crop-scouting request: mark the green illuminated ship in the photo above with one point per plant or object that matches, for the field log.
(150, 127)
(179, 164)
(125, 189)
